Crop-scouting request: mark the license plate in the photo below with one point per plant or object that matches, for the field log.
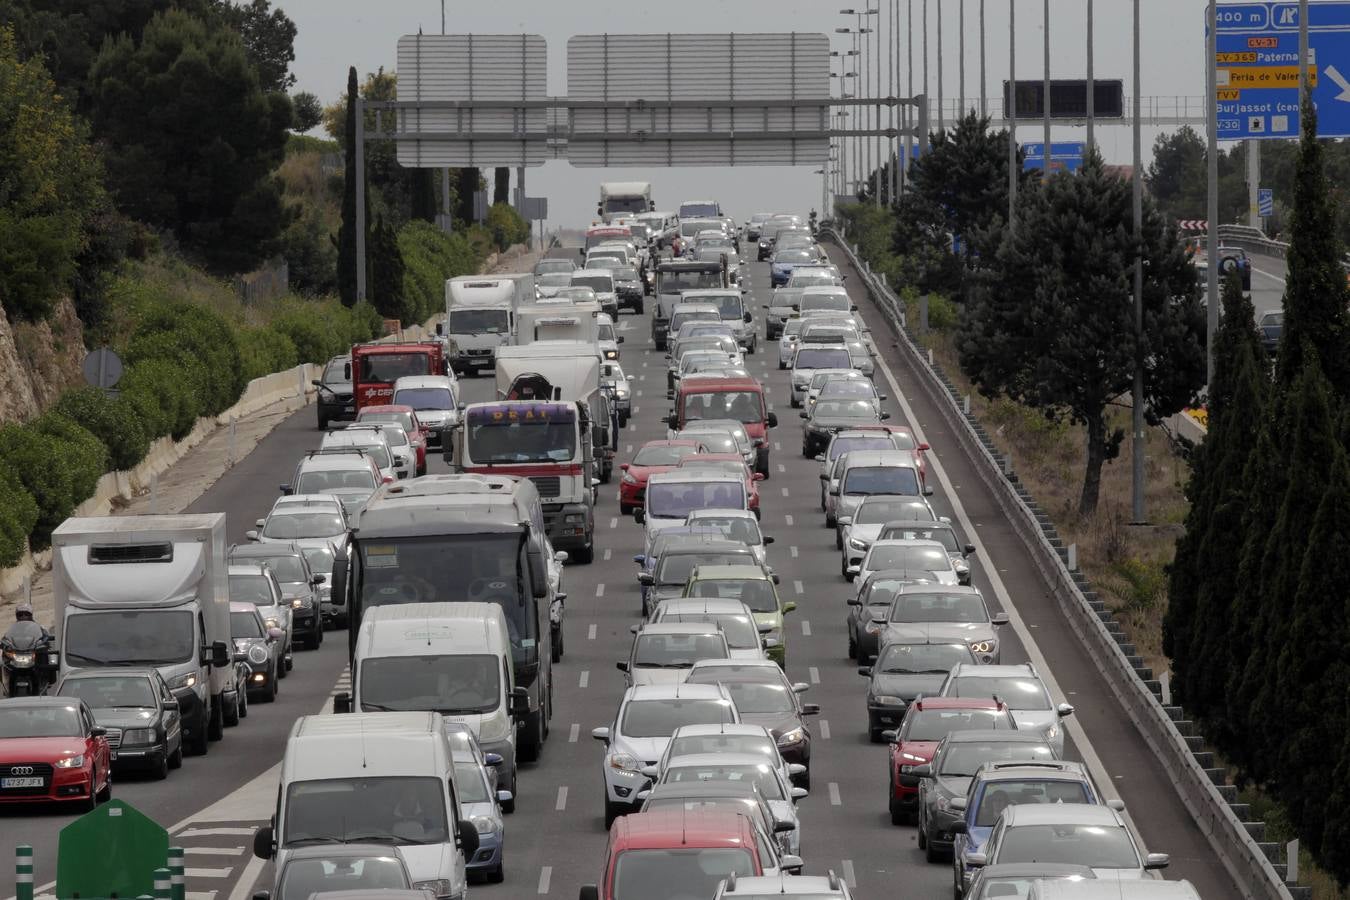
(35, 781)
(112, 756)
(349, 409)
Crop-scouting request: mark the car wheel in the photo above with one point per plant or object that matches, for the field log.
(176, 757)
(243, 703)
(105, 795)
(290, 662)
(323, 423)
(831, 522)
(229, 714)
(585, 556)
(556, 648)
(898, 816)
(161, 767)
(625, 509)
(215, 726)
(613, 811)
(852, 644)
(923, 829)
(931, 852)
(497, 874)
(90, 803)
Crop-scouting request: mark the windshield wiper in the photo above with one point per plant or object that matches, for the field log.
(378, 707)
(384, 837)
(305, 841)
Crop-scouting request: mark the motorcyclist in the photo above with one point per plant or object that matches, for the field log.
(25, 634)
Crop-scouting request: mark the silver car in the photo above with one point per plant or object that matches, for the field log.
(1027, 832)
(928, 557)
(1019, 686)
(256, 584)
(944, 611)
(738, 525)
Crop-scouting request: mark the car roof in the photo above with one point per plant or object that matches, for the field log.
(979, 736)
(384, 408)
(909, 542)
(346, 851)
(711, 542)
(705, 383)
(934, 703)
(903, 458)
(1011, 870)
(48, 702)
(709, 573)
(681, 691)
(683, 828)
(785, 885)
(143, 671)
(734, 664)
(417, 381)
(730, 789)
(721, 759)
(1059, 813)
(713, 606)
(236, 606)
(686, 476)
(920, 525)
(928, 632)
(723, 728)
(258, 551)
(246, 569)
(327, 461)
(678, 628)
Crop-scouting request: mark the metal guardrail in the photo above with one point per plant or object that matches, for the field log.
(1248, 861)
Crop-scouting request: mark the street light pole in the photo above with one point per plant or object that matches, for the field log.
(1011, 112)
(961, 56)
(1212, 204)
(984, 98)
(910, 116)
(1045, 101)
(1091, 84)
(1137, 183)
(942, 114)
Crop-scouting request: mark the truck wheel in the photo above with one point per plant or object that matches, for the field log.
(586, 555)
(323, 422)
(215, 727)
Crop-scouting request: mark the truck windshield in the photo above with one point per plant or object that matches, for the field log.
(477, 321)
(395, 810)
(674, 282)
(474, 567)
(633, 204)
(521, 442)
(129, 638)
(743, 406)
(454, 684)
(699, 210)
(387, 368)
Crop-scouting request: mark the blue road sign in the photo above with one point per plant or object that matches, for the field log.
(1257, 65)
(1065, 157)
(1265, 201)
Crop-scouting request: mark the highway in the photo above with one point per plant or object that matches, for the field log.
(1268, 274)
(556, 837)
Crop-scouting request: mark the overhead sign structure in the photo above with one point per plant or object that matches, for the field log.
(1256, 47)
(1068, 98)
(1065, 157)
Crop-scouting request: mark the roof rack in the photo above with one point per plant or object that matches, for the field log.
(328, 451)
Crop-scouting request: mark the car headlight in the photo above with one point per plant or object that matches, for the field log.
(857, 544)
(795, 736)
(629, 478)
(70, 762)
(486, 824)
(301, 603)
(186, 680)
(438, 886)
(257, 654)
(872, 627)
(888, 700)
(138, 736)
(942, 801)
(624, 763)
(271, 622)
(982, 647)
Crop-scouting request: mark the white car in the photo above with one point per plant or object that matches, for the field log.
(850, 384)
(609, 339)
(309, 520)
(787, 342)
(1020, 687)
(1087, 833)
(432, 397)
(646, 719)
(348, 473)
(738, 525)
(371, 439)
(860, 530)
(663, 652)
(928, 558)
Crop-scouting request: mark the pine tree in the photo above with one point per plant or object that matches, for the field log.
(346, 239)
(425, 194)
(1335, 850)
(386, 272)
(1202, 576)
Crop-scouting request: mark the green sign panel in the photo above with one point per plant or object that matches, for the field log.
(110, 852)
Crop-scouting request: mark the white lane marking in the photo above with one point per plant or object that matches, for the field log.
(637, 393)
(793, 551)
(785, 492)
(777, 446)
(585, 678)
(208, 873)
(614, 522)
(643, 377)
(600, 589)
(849, 878)
(627, 448)
(608, 552)
(573, 733)
(1271, 275)
(814, 673)
(781, 468)
(545, 876)
(562, 799)
(1037, 658)
(635, 410)
(590, 632)
(213, 851)
(214, 832)
(797, 586)
(824, 729)
(788, 519)
(806, 630)
(834, 795)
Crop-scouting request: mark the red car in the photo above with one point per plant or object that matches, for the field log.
(724, 462)
(51, 750)
(904, 440)
(405, 416)
(927, 721)
(673, 853)
(652, 457)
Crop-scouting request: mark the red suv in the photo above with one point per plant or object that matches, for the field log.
(741, 399)
(672, 853)
(927, 721)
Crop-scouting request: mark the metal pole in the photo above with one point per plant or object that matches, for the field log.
(910, 118)
(23, 872)
(1212, 204)
(1137, 183)
(1253, 149)
(177, 885)
(961, 55)
(894, 143)
(1091, 84)
(864, 90)
(857, 116)
(925, 52)
(875, 140)
(520, 186)
(1302, 51)
(360, 223)
(984, 98)
(1045, 100)
(942, 113)
(1011, 113)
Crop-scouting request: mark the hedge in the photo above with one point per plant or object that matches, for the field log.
(430, 257)
(58, 463)
(116, 423)
(18, 515)
(506, 226)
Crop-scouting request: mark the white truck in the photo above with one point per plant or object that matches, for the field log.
(555, 322)
(624, 198)
(151, 591)
(480, 316)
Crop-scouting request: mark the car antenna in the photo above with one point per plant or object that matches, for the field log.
(363, 743)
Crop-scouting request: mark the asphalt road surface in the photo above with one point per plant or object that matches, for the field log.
(556, 837)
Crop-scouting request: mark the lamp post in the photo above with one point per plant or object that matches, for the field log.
(863, 147)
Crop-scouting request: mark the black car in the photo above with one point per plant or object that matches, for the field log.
(139, 712)
(628, 286)
(336, 403)
(1271, 325)
(764, 696)
(299, 586)
(258, 649)
(904, 670)
(869, 609)
(828, 416)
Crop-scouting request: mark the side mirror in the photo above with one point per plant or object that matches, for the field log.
(975, 860)
(800, 687)
(622, 665)
(834, 491)
(803, 415)
(923, 771)
(285, 489)
(882, 397)
(1157, 861)
(588, 892)
(388, 479)
(264, 843)
(262, 895)
(783, 826)
(251, 535)
(747, 317)
(927, 490)
(601, 734)
(889, 735)
(492, 759)
(1117, 805)
(171, 703)
(865, 671)
(623, 467)
(789, 606)
(639, 515)
(1064, 710)
(968, 549)
(959, 803)
(853, 601)
(561, 556)
(347, 371)
(767, 540)
(959, 826)
(619, 339)
(640, 559)
(999, 619)
(923, 447)
(810, 709)
(772, 420)
(275, 634)
(800, 793)
(467, 832)
(316, 382)
(221, 654)
(505, 797)
(318, 580)
(885, 416)
(98, 731)
(791, 864)
(520, 702)
(651, 772)
(342, 703)
(853, 570)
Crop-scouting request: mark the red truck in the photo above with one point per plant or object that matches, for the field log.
(375, 368)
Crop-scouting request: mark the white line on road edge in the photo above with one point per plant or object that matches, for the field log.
(806, 628)
(562, 799)
(585, 678)
(849, 878)
(815, 674)
(573, 733)
(590, 632)
(1271, 275)
(600, 589)
(215, 832)
(834, 795)
(208, 873)
(545, 876)
(798, 587)
(777, 446)
(824, 729)
(1072, 725)
(785, 492)
(781, 468)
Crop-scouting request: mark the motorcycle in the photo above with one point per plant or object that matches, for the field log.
(25, 655)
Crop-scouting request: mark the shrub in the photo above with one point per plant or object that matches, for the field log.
(166, 396)
(83, 455)
(18, 515)
(322, 330)
(506, 226)
(117, 424)
(58, 463)
(264, 351)
(311, 258)
(199, 341)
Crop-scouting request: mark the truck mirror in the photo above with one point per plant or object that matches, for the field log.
(220, 654)
(264, 845)
(440, 328)
(467, 833)
(347, 371)
(342, 703)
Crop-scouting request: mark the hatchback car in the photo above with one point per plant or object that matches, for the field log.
(1079, 833)
(308, 520)
(864, 473)
(904, 670)
(664, 652)
(432, 397)
(1021, 687)
(738, 768)
(828, 416)
(735, 524)
(929, 558)
(255, 583)
(139, 713)
(720, 796)
(811, 358)
(347, 473)
(52, 749)
(875, 512)
(370, 438)
(482, 804)
(651, 458)
(261, 649)
(299, 586)
(666, 566)
(942, 532)
(370, 869)
(933, 612)
(733, 463)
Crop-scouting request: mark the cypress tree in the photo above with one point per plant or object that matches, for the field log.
(386, 272)
(501, 185)
(346, 239)
(425, 194)
(1335, 850)
(466, 186)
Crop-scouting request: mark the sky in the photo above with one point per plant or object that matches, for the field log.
(335, 34)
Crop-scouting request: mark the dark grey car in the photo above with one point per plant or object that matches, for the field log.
(869, 609)
(299, 586)
(139, 711)
(336, 402)
(912, 667)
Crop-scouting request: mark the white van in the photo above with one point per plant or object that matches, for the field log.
(1112, 890)
(374, 777)
(453, 658)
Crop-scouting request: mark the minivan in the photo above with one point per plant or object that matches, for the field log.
(741, 399)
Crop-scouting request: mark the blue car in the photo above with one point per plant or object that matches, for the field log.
(784, 261)
(482, 805)
(998, 785)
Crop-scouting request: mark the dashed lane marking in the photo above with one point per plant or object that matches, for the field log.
(806, 631)
(793, 551)
(798, 587)
(824, 729)
(608, 552)
(600, 589)
(814, 673)
(590, 632)
(849, 877)
(562, 799)
(573, 733)
(834, 795)
(788, 519)
(614, 522)
(585, 678)
(545, 876)
(785, 492)
(781, 468)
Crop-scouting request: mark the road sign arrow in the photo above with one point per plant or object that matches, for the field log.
(1340, 83)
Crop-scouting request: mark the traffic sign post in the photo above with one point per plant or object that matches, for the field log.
(1065, 157)
(1265, 202)
(1256, 58)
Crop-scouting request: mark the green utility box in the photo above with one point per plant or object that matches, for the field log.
(110, 852)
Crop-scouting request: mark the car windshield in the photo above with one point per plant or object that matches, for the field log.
(606, 331)
(792, 328)
(601, 284)
(452, 684)
(673, 282)
(624, 273)
(675, 500)
(907, 556)
(303, 878)
(876, 512)
(677, 651)
(675, 568)
(472, 786)
(1000, 794)
(693, 744)
(336, 371)
(419, 398)
(393, 809)
(662, 455)
(111, 691)
(760, 775)
(846, 409)
(740, 631)
(561, 278)
(255, 589)
(836, 302)
(840, 446)
(320, 559)
(943, 536)
(387, 368)
(933, 725)
(822, 358)
(677, 874)
(553, 265)
(964, 759)
(755, 593)
(743, 406)
(245, 625)
(660, 718)
(40, 721)
(742, 530)
(757, 697)
(879, 479)
(936, 607)
(300, 525)
(907, 659)
(288, 569)
(1086, 845)
(1018, 693)
(1273, 318)
(478, 321)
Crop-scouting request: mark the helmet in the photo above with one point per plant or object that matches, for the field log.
(23, 611)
